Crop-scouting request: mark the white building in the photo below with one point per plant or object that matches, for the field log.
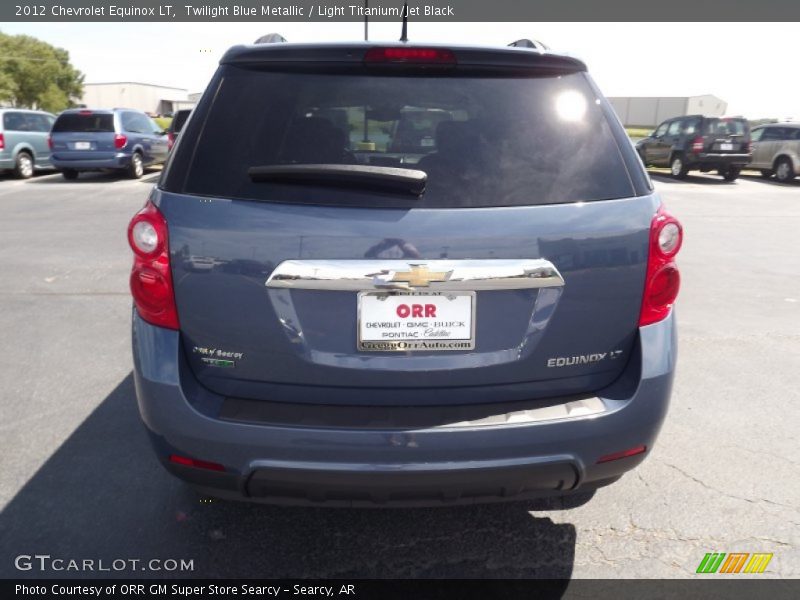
(650, 111)
(147, 97)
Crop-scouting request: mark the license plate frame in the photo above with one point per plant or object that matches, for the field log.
(434, 343)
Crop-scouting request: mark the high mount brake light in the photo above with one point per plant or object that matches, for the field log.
(662, 281)
(410, 55)
(151, 276)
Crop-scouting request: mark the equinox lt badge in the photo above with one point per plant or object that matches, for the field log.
(582, 359)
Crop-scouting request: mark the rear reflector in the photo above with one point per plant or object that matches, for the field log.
(193, 462)
(624, 454)
(410, 55)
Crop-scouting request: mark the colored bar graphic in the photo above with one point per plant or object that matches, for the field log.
(710, 562)
(758, 563)
(735, 562)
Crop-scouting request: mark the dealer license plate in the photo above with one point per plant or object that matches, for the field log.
(416, 321)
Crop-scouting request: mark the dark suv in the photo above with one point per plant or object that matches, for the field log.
(175, 126)
(697, 143)
(402, 275)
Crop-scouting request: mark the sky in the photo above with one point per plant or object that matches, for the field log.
(745, 64)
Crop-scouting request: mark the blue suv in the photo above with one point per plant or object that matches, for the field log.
(402, 275)
(122, 140)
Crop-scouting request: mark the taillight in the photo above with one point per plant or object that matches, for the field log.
(663, 279)
(49, 142)
(151, 278)
(698, 144)
(170, 140)
(3, 141)
(120, 141)
(410, 55)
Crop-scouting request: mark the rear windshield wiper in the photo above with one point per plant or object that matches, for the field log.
(384, 179)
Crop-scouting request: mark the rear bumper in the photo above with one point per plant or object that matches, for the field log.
(716, 160)
(63, 162)
(369, 466)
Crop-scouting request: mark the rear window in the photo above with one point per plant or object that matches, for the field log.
(483, 141)
(84, 123)
(726, 126)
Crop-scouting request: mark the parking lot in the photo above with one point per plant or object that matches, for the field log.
(80, 481)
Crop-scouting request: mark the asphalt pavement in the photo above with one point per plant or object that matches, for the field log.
(78, 479)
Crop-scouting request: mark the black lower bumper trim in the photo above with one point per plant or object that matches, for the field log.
(412, 487)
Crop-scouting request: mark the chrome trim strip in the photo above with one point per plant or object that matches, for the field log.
(434, 275)
(587, 407)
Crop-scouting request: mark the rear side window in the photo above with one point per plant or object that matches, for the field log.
(772, 134)
(726, 127)
(137, 123)
(483, 141)
(781, 134)
(84, 123)
(690, 126)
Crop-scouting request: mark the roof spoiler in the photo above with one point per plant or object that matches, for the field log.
(526, 43)
(339, 57)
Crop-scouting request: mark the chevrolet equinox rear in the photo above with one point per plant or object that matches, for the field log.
(402, 275)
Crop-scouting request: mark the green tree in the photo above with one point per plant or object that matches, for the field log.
(34, 74)
(8, 88)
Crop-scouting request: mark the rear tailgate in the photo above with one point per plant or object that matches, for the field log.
(519, 185)
(569, 339)
(726, 136)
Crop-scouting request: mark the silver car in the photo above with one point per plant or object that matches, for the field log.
(776, 150)
(24, 145)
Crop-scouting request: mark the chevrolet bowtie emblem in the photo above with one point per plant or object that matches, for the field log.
(420, 276)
